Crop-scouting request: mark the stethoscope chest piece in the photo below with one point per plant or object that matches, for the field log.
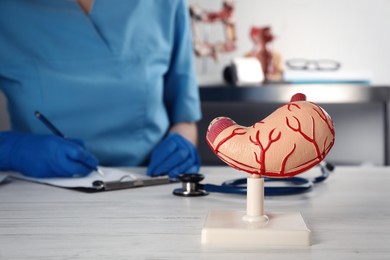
(190, 185)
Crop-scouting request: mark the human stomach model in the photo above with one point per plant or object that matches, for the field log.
(293, 139)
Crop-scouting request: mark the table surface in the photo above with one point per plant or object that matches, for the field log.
(348, 214)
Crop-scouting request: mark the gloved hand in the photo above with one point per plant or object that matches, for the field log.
(43, 156)
(173, 156)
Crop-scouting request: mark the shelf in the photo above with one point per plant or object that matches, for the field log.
(323, 93)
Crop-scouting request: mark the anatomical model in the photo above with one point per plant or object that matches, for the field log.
(202, 46)
(291, 140)
(271, 61)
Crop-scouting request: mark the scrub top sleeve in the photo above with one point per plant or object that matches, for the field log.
(181, 93)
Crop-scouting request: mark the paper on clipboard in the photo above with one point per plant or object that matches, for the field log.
(113, 179)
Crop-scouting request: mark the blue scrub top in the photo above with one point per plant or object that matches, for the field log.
(117, 79)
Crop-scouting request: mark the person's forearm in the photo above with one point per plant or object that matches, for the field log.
(187, 130)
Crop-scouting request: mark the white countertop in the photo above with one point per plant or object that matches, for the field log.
(348, 214)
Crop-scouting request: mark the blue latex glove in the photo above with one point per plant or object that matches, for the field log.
(173, 156)
(43, 156)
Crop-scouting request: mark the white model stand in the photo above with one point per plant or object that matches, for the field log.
(254, 227)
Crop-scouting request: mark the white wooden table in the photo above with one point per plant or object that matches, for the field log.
(349, 216)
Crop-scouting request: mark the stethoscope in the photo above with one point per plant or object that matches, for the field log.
(191, 186)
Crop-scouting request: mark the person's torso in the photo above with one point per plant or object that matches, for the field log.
(98, 77)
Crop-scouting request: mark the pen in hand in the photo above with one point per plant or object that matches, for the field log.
(57, 132)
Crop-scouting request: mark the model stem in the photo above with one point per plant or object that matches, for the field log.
(255, 199)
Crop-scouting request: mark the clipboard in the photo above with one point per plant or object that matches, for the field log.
(113, 179)
(128, 184)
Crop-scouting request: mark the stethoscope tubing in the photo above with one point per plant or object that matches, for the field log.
(294, 185)
(238, 186)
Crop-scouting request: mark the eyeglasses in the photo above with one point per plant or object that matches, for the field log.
(304, 64)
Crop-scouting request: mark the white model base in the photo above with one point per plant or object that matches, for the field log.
(282, 229)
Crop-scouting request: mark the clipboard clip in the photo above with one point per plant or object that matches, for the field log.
(126, 183)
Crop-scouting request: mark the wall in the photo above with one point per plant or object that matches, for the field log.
(354, 32)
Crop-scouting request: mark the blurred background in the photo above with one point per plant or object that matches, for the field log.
(352, 32)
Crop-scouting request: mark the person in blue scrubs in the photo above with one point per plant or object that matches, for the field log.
(115, 76)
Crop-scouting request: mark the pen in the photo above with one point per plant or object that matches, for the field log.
(48, 124)
(55, 130)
